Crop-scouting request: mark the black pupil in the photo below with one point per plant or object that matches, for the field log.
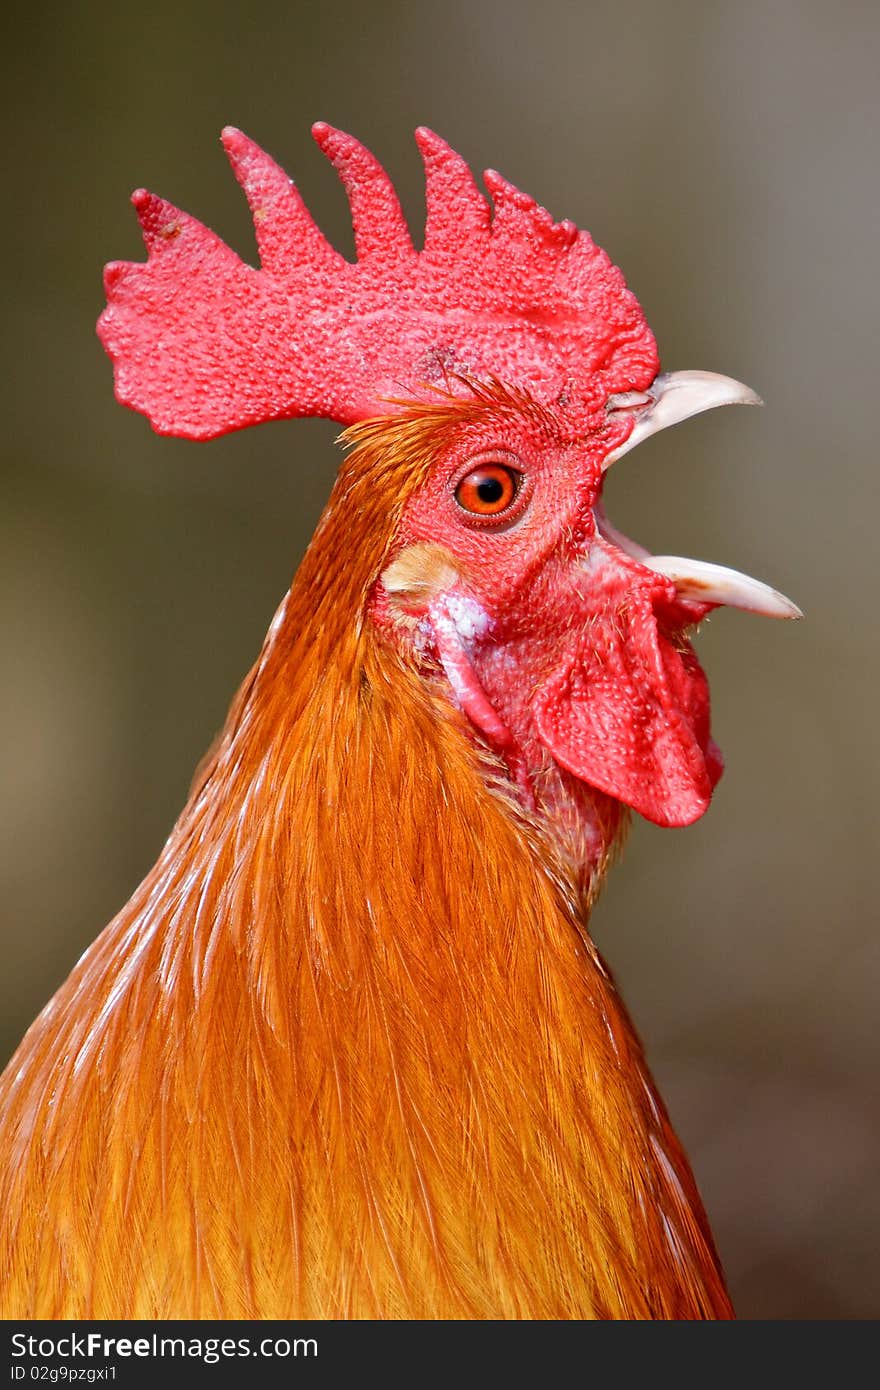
(490, 490)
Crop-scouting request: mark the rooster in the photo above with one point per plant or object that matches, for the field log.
(349, 1050)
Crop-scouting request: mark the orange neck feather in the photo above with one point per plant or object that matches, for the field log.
(348, 1051)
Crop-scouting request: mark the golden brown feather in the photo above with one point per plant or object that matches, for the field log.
(335, 1059)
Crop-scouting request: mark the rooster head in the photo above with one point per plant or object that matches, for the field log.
(514, 345)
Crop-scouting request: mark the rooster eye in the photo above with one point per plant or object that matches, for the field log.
(489, 489)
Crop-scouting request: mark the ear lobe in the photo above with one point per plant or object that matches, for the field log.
(628, 713)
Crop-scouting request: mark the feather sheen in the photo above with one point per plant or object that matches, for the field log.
(349, 1051)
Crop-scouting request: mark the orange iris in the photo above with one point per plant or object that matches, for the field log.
(488, 490)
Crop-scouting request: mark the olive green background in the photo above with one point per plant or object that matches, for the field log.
(726, 156)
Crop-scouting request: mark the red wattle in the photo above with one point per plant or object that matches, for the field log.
(628, 713)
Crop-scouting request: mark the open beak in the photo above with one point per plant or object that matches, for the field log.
(671, 398)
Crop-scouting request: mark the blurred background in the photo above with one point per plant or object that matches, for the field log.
(726, 157)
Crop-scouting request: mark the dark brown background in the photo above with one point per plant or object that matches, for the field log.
(726, 156)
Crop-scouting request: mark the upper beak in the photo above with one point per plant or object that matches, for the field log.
(673, 397)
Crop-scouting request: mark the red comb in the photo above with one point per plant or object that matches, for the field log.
(203, 344)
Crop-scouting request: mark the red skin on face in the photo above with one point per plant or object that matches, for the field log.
(557, 643)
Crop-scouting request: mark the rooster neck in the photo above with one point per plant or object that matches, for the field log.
(348, 1051)
(444, 1031)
